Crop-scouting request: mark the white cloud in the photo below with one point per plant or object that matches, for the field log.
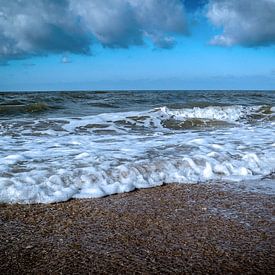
(246, 22)
(56, 26)
(121, 23)
(65, 60)
(38, 27)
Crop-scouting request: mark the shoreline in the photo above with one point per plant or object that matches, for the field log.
(175, 228)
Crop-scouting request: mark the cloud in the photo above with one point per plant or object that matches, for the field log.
(193, 5)
(123, 23)
(250, 23)
(41, 27)
(65, 60)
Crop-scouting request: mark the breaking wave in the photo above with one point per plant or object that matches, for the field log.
(49, 159)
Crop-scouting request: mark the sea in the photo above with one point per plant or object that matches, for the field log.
(56, 146)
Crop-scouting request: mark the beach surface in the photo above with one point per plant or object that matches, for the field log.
(183, 229)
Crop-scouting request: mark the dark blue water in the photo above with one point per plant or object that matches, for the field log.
(58, 104)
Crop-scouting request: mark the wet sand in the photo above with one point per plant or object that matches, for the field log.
(185, 229)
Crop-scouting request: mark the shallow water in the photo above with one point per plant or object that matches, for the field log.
(60, 145)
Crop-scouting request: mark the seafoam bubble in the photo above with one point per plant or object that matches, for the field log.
(74, 161)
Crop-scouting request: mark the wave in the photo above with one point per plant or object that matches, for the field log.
(86, 175)
(54, 159)
(162, 119)
(18, 108)
(174, 119)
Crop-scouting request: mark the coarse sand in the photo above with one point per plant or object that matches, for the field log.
(179, 229)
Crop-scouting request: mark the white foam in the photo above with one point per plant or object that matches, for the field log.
(225, 113)
(12, 159)
(78, 164)
(123, 122)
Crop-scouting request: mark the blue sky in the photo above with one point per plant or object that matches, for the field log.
(126, 44)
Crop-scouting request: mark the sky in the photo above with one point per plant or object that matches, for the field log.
(137, 44)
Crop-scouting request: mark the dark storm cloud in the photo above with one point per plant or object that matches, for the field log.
(249, 23)
(40, 27)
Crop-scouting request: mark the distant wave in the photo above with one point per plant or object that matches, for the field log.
(16, 109)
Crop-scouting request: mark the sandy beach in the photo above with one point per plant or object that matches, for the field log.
(185, 229)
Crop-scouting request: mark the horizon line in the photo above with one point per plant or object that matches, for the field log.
(134, 90)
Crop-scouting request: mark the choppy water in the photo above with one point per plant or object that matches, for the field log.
(60, 145)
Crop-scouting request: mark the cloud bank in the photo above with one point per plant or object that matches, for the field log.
(39, 27)
(249, 23)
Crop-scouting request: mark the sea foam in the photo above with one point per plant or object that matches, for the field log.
(55, 159)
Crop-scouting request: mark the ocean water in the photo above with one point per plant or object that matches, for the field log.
(55, 146)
